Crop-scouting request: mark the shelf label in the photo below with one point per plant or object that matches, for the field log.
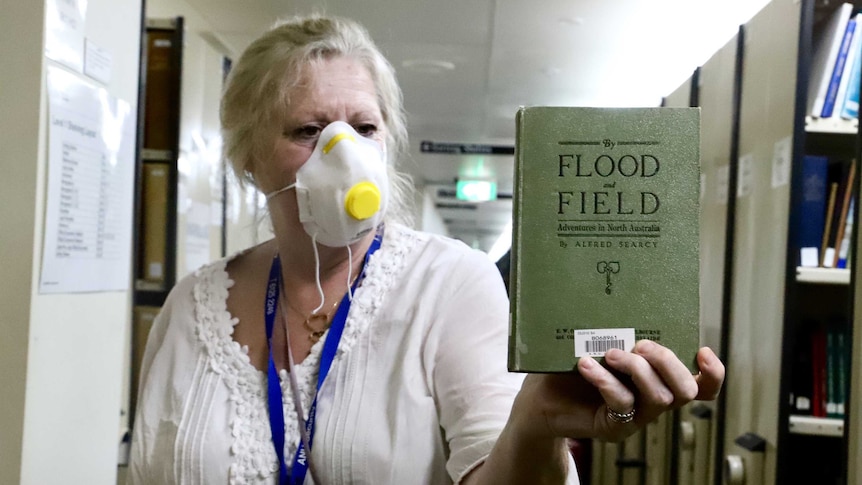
(746, 174)
(781, 162)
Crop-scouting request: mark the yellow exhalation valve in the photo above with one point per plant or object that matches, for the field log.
(362, 200)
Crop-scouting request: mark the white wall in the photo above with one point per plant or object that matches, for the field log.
(429, 218)
(62, 355)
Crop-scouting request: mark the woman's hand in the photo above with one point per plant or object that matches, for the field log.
(597, 401)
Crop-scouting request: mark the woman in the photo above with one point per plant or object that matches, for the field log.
(396, 340)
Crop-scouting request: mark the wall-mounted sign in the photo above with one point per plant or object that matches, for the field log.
(465, 148)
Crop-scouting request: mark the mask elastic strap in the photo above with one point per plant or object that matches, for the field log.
(284, 189)
(349, 272)
(317, 273)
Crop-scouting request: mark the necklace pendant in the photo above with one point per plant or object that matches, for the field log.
(317, 324)
(315, 336)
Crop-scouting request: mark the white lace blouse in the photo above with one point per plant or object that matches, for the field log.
(418, 392)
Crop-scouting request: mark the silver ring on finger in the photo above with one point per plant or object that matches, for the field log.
(621, 418)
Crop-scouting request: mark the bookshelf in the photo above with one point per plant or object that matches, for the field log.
(156, 182)
(771, 306)
(156, 186)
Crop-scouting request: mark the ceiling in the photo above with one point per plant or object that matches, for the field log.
(465, 67)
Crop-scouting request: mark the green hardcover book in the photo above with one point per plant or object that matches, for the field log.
(605, 234)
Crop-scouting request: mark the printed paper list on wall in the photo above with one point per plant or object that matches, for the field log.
(88, 222)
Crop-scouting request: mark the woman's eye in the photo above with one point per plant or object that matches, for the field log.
(366, 130)
(308, 132)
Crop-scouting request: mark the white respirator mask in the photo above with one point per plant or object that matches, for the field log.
(343, 189)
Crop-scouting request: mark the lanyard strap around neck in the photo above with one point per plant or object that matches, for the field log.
(274, 394)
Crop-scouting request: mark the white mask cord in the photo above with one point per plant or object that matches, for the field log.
(284, 189)
(349, 272)
(317, 274)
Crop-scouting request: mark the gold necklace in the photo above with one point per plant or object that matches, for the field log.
(321, 321)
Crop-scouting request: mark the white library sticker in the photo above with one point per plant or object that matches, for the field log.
(595, 342)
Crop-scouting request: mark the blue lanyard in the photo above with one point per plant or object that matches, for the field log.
(274, 395)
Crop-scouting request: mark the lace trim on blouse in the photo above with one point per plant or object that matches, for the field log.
(254, 456)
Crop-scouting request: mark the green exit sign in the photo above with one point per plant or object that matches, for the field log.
(476, 190)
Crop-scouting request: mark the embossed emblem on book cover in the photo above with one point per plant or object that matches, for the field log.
(605, 234)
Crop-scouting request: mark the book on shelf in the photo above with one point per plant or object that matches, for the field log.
(605, 237)
(818, 372)
(846, 196)
(827, 230)
(838, 70)
(850, 102)
(812, 209)
(842, 355)
(801, 392)
(825, 379)
(837, 220)
(847, 74)
(825, 56)
(836, 365)
(845, 248)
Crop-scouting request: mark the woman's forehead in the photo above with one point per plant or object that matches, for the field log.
(339, 84)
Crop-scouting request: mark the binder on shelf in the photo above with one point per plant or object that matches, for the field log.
(154, 220)
(825, 55)
(159, 104)
(838, 70)
(812, 210)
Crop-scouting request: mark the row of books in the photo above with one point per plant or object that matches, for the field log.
(821, 370)
(837, 63)
(826, 212)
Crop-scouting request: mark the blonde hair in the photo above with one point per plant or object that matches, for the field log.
(260, 82)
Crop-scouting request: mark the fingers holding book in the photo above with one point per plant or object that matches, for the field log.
(640, 385)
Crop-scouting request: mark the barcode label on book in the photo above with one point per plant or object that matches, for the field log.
(595, 342)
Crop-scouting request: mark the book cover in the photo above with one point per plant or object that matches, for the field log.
(605, 234)
(838, 70)
(825, 54)
(812, 209)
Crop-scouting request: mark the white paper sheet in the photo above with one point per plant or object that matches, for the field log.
(64, 32)
(88, 223)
